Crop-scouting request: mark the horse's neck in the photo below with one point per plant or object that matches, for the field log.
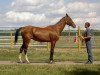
(60, 25)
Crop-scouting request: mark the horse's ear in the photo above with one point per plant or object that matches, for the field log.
(66, 15)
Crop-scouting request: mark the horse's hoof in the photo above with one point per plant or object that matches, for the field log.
(28, 62)
(19, 62)
(51, 62)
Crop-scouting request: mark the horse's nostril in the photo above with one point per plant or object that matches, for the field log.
(74, 26)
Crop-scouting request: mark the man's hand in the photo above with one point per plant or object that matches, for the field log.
(82, 38)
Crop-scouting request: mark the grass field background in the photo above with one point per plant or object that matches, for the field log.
(42, 56)
(50, 69)
(64, 51)
(61, 54)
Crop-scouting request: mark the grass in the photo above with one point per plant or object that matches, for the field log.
(42, 55)
(50, 69)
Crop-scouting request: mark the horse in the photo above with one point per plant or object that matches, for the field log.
(49, 33)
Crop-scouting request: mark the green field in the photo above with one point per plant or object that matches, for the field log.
(64, 51)
(61, 54)
(42, 56)
(50, 69)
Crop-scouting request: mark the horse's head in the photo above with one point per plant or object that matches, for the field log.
(69, 21)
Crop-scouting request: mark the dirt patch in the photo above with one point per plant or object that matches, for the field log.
(43, 63)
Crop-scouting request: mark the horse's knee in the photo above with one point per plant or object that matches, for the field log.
(21, 50)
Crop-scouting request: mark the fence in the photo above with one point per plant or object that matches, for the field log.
(7, 40)
(65, 41)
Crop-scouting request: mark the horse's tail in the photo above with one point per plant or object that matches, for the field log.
(16, 35)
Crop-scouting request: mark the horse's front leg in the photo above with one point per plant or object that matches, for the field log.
(51, 55)
(52, 51)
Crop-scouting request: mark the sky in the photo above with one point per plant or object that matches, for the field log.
(41, 13)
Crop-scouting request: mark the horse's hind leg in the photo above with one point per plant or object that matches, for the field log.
(24, 47)
(25, 51)
(26, 43)
(21, 50)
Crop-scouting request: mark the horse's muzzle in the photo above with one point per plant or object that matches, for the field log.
(74, 26)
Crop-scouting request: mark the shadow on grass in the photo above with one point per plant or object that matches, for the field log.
(79, 62)
(82, 72)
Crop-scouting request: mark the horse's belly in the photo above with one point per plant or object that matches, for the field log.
(41, 38)
(45, 35)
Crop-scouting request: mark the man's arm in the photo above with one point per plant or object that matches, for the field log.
(88, 35)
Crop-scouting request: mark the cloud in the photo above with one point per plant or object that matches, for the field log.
(27, 2)
(77, 6)
(37, 6)
(82, 7)
(55, 20)
(50, 11)
(95, 20)
(92, 14)
(24, 16)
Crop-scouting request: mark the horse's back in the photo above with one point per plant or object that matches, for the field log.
(27, 27)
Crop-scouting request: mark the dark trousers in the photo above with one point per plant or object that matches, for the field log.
(89, 50)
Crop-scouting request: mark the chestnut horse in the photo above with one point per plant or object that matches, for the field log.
(50, 34)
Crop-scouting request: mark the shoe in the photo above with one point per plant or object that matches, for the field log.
(89, 62)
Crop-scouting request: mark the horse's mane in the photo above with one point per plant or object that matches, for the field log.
(59, 21)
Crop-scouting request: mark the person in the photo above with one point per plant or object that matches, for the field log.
(87, 38)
